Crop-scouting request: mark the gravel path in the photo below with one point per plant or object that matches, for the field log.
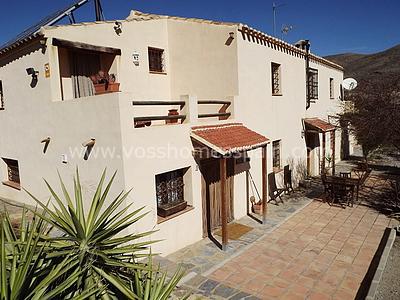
(389, 287)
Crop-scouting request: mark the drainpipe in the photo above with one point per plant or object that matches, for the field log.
(307, 45)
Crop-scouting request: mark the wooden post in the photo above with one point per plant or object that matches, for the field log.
(333, 148)
(224, 216)
(264, 184)
(323, 153)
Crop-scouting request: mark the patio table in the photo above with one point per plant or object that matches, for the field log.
(350, 183)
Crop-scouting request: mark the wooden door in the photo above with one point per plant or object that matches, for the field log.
(211, 193)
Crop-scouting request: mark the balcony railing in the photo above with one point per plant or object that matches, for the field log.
(189, 109)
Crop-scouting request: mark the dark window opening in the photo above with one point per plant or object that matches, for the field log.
(13, 179)
(156, 60)
(312, 84)
(170, 192)
(276, 79)
(331, 88)
(276, 155)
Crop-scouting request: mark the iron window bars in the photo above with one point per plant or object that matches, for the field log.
(169, 188)
(312, 84)
(156, 60)
(276, 80)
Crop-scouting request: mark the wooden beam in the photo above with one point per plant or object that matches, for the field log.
(159, 118)
(333, 146)
(214, 102)
(224, 212)
(83, 46)
(202, 116)
(323, 153)
(264, 183)
(157, 102)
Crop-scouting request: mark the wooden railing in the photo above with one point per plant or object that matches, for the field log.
(222, 113)
(146, 120)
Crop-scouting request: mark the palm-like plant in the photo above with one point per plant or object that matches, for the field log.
(98, 249)
(26, 271)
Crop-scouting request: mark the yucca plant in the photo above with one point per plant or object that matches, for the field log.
(26, 271)
(93, 238)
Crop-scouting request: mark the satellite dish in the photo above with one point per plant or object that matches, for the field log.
(349, 84)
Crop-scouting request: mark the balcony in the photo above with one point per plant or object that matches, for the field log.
(174, 112)
(86, 70)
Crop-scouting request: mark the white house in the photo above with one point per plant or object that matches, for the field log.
(261, 102)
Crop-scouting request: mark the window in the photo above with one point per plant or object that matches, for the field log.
(331, 88)
(156, 60)
(276, 155)
(1, 96)
(12, 173)
(312, 84)
(170, 192)
(276, 79)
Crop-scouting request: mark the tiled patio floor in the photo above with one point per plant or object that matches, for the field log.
(322, 252)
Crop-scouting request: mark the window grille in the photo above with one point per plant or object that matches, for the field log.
(276, 154)
(156, 60)
(169, 188)
(312, 84)
(276, 78)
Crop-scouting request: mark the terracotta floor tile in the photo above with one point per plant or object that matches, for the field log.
(272, 291)
(253, 286)
(351, 283)
(318, 296)
(299, 289)
(293, 296)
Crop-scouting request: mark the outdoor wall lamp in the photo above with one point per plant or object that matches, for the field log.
(118, 27)
(32, 72)
(89, 146)
(43, 43)
(46, 142)
(230, 39)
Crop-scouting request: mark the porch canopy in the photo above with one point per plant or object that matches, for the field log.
(228, 138)
(321, 126)
(225, 140)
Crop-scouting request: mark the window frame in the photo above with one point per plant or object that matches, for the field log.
(312, 84)
(276, 83)
(161, 53)
(331, 88)
(13, 173)
(177, 181)
(277, 147)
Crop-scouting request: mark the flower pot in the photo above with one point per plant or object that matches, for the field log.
(256, 208)
(102, 88)
(113, 87)
(172, 112)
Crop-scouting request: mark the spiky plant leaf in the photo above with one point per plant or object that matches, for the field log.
(96, 242)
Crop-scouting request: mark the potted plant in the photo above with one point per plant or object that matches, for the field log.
(172, 112)
(104, 83)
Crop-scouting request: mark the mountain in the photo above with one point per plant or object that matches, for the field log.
(366, 66)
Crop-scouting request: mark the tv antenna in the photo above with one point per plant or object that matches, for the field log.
(274, 8)
(286, 28)
(99, 10)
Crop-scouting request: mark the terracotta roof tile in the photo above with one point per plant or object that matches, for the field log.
(319, 124)
(228, 138)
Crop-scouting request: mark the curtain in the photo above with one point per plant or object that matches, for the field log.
(83, 66)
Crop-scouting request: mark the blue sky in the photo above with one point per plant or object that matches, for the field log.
(333, 26)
